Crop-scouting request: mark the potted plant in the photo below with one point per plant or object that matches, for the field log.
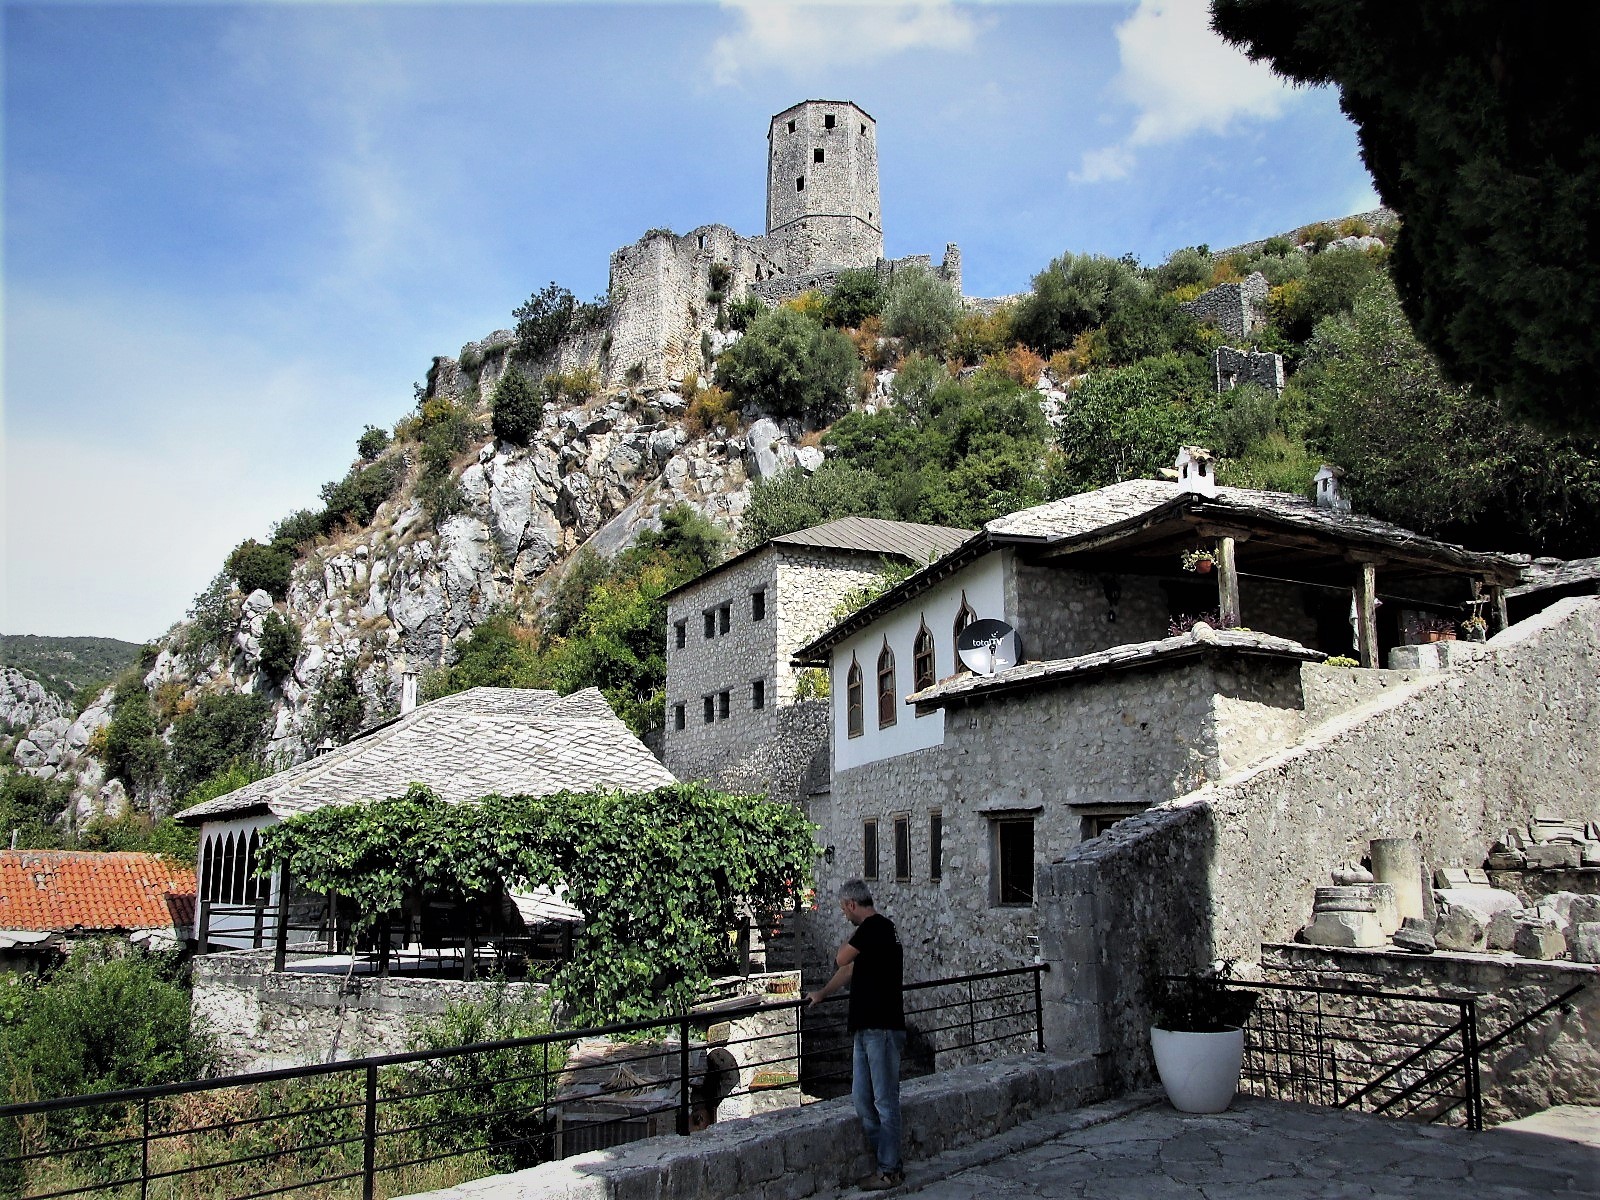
(1476, 628)
(1199, 561)
(1437, 629)
(1198, 1038)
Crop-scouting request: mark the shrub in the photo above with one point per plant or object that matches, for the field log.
(1332, 282)
(576, 385)
(743, 311)
(1189, 267)
(548, 316)
(857, 295)
(709, 408)
(789, 365)
(372, 442)
(1316, 236)
(224, 728)
(794, 500)
(1277, 246)
(1018, 364)
(921, 310)
(1354, 227)
(471, 359)
(254, 566)
(137, 832)
(134, 752)
(871, 346)
(1074, 293)
(357, 497)
(339, 710)
(915, 383)
(29, 807)
(517, 407)
(809, 303)
(211, 621)
(440, 495)
(298, 528)
(979, 335)
(280, 646)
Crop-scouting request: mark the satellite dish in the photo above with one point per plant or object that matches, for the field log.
(987, 647)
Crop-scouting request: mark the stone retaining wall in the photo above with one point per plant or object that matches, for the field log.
(1453, 759)
(1554, 1060)
(798, 1153)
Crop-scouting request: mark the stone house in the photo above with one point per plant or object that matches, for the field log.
(948, 789)
(483, 741)
(736, 712)
(51, 898)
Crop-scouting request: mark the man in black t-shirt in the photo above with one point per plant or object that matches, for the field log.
(871, 962)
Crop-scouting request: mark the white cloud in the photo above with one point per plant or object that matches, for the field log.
(1181, 79)
(802, 39)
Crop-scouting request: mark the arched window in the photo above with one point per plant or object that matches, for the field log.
(852, 698)
(240, 868)
(922, 669)
(886, 688)
(225, 892)
(964, 618)
(207, 856)
(252, 859)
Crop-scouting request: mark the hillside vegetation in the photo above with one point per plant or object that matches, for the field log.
(463, 541)
(66, 666)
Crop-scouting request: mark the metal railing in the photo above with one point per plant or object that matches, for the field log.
(1399, 1054)
(396, 1123)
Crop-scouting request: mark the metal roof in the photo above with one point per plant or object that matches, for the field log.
(507, 741)
(906, 540)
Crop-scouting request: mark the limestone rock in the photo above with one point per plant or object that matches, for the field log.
(808, 458)
(1483, 902)
(25, 703)
(1553, 856)
(1584, 943)
(1415, 936)
(763, 449)
(1459, 928)
(1538, 937)
(1347, 929)
(1571, 909)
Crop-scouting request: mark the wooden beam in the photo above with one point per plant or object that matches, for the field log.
(1497, 597)
(1367, 615)
(1228, 581)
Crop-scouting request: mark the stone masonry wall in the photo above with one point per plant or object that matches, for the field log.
(1233, 367)
(1453, 758)
(771, 749)
(264, 1019)
(1062, 614)
(1116, 743)
(1237, 309)
(826, 213)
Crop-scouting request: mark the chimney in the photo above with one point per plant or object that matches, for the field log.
(408, 692)
(1330, 489)
(1197, 471)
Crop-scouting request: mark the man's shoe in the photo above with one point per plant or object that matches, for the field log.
(880, 1181)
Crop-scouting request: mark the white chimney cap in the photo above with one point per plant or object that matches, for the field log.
(1330, 488)
(1197, 470)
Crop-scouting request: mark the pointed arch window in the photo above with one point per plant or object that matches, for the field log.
(251, 860)
(852, 694)
(922, 668)
(208, 860)
(964, 617)
(225, 892)
(240, 853)
(886, 688)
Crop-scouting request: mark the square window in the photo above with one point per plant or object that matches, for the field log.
(791, 126)
(758, 605)
(680, 717)
(902, 847)
(800, 184)
(863, 131)
(758, 694)
(711, 622)
(816, 155)
(680, 631)
(1012, 862)
(936, 845)
(827, 121)
(724, 705)
(711, 709)
(869, 849)
(724, 618)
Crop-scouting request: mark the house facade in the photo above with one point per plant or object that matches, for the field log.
(949, 789)
(739, 714)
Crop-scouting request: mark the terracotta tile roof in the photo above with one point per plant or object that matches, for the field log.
(75, 889)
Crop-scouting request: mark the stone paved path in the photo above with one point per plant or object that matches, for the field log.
(1141, 1149)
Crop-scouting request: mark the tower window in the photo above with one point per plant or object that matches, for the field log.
(702, 241)
(800, 184)
(863, 131)
(816, 155)
(902, 846)
(869, 849)
(758, 694)
(724, 705)
(711, 709)
(827, 121)
(679, 717)
(758, 604)
(711, 622)
(680, 631)
(791, 126)
(725, 618)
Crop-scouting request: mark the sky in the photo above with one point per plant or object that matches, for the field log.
(236, 234)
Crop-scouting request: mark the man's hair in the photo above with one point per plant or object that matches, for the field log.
(856, 891)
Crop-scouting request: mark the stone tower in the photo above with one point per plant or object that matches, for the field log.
(822, 186)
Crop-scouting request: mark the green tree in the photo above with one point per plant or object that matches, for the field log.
(254, 566)
(1075, 293)
(1128, 423)
(372, 442)
(794, 500)
(356, 497)
(517, 407)
(549, 315)
(280, 646)
(29, 807)
(1432, 455)
(790, 366)
(1332, 281)
(134, 751)
(1483, 141)
(921, 310)
(224, 727)
(857, 295)
(339, 710)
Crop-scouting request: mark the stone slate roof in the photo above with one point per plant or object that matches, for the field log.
(915, 543)
(512, 741)
(1104, 513)
(1542, 575)
(1203, 640)
(60, 890)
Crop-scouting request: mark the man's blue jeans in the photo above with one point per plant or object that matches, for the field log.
(877, 1091)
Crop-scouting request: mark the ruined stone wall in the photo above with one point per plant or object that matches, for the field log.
(822, 186)
(1233, 367)
(776, 288)
(1555, 1060)
(1453, 758)
(1237, 309)
(265, 1019)
(1106, 746)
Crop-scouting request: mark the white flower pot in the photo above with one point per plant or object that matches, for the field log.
(1199, 1070)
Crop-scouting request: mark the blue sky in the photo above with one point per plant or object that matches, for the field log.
(236, 234)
